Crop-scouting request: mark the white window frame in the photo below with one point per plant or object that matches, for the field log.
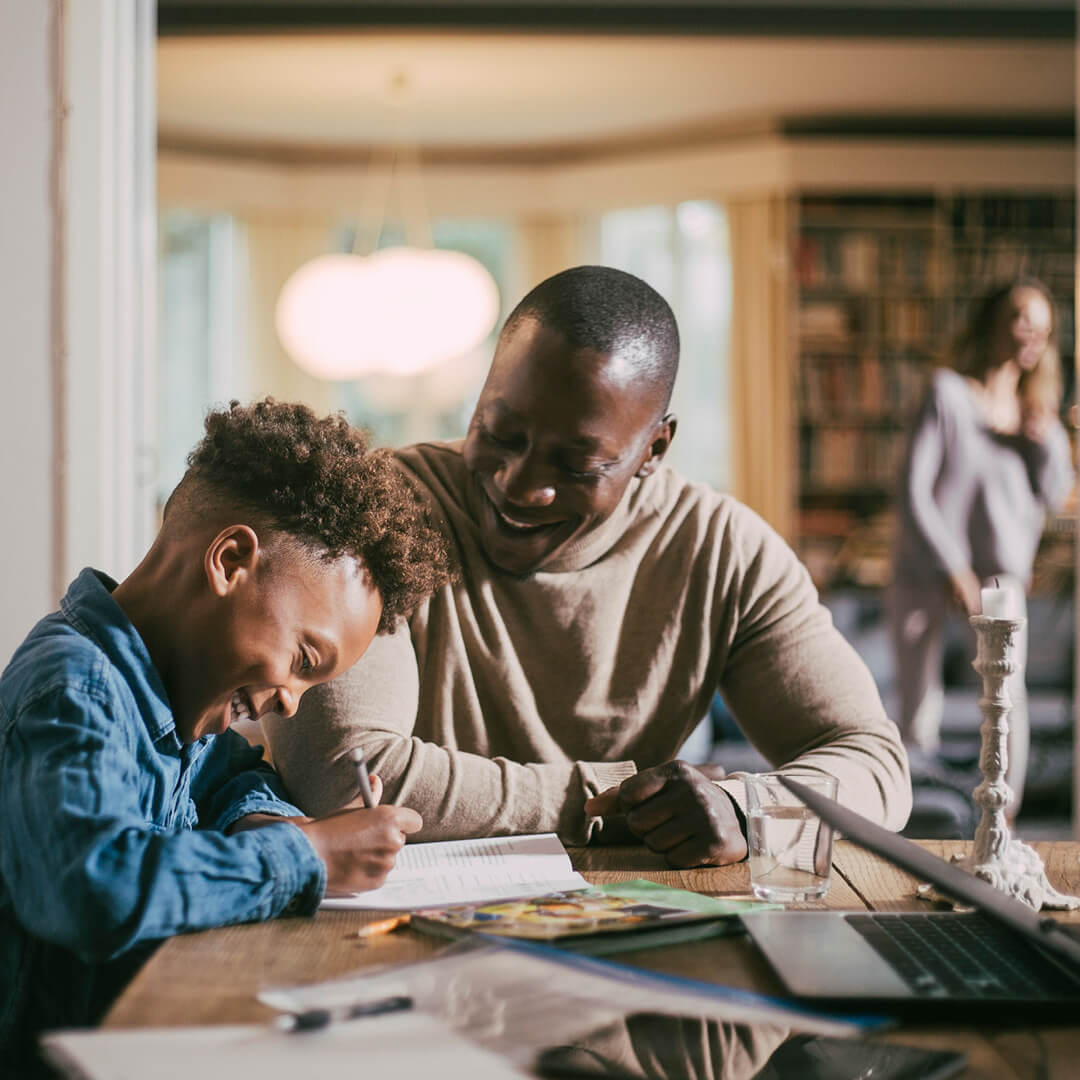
(107, 516)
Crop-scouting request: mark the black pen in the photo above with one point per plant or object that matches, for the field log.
(362, 779)
(314, 1019)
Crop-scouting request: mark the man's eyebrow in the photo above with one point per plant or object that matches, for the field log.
(585, 444)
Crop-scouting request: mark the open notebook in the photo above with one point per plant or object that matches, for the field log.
(470, 872)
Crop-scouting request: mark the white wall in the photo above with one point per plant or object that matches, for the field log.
(27, 310)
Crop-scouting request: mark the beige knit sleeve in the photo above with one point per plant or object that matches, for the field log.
(458, 794)
(799, 691)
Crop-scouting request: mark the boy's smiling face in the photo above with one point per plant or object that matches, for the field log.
(275, 621)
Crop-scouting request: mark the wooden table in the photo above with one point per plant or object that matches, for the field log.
(212, 977)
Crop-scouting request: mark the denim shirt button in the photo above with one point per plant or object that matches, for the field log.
(293, 906)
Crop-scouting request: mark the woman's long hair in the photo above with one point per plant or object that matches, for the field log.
(1039, 389)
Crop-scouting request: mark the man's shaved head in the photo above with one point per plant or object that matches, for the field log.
(610, 312)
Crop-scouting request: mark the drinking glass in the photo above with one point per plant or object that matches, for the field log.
(790, 846)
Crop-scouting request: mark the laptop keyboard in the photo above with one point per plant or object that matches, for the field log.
(952, 955)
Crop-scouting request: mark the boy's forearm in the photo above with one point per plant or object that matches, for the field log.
(95, 875)
(131, 887)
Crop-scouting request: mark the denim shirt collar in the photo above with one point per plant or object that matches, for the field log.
(90, 608)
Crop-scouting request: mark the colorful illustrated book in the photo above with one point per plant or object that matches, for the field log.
(601, 919)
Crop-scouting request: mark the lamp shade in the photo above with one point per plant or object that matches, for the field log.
(399, 311)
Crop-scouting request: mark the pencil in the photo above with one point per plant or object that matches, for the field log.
(315, 1019)
(382, 926)
(357, 756)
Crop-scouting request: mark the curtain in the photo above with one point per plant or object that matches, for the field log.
(763, 443)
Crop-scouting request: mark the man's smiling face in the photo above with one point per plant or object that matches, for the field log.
(557, 435)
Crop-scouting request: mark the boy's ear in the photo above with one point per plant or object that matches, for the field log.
(661, 438)
(231, 557)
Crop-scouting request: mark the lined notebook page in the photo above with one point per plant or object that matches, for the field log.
(470, 872)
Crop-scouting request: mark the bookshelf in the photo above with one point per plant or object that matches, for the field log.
(883, 284)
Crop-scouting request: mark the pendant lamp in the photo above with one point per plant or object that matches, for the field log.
(397, 310)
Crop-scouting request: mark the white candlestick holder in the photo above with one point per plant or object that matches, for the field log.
(998, 857)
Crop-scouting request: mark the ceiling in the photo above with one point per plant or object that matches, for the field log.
(1055, 19)
(475, 92)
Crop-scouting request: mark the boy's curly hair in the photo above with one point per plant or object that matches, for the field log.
(316, 479)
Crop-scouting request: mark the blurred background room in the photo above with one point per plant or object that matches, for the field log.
(818, 190)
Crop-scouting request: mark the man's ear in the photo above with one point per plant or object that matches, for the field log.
(231, 557)
(661, 438)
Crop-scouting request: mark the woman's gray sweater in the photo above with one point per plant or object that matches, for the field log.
(972, 497)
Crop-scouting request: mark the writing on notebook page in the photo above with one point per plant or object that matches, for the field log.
(470, 871)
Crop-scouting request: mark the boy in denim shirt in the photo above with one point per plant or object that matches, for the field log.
(128, 810)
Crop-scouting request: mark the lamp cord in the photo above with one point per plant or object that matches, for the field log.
(397, 166)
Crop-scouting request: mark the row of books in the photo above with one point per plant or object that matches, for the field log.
(905, 322)
(1000, 261)
(910, 322)
(869, 387)
(863, 261)
(978, 215)
(846, 458)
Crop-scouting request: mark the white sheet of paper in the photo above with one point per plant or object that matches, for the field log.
(470, 872)
(412, 1043)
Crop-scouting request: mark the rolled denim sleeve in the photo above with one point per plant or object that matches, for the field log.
(85, 867)
(233, 781)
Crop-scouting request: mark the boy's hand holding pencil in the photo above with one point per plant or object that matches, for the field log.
(360, 842)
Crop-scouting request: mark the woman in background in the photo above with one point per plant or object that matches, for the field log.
(987, 457)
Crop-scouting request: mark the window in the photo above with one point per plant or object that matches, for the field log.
(198, 360)
(216, 338)
(685, 254)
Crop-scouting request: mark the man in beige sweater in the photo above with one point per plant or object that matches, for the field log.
(603, 600)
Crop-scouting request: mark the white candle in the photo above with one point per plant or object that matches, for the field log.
(996, 603)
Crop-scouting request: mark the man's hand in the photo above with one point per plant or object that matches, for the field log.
(677, 810)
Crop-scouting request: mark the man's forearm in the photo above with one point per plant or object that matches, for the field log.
(871, 770)
(458, 794)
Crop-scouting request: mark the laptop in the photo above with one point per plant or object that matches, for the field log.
(1002, 957)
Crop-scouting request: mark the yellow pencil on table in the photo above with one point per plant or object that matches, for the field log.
(382, 926)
